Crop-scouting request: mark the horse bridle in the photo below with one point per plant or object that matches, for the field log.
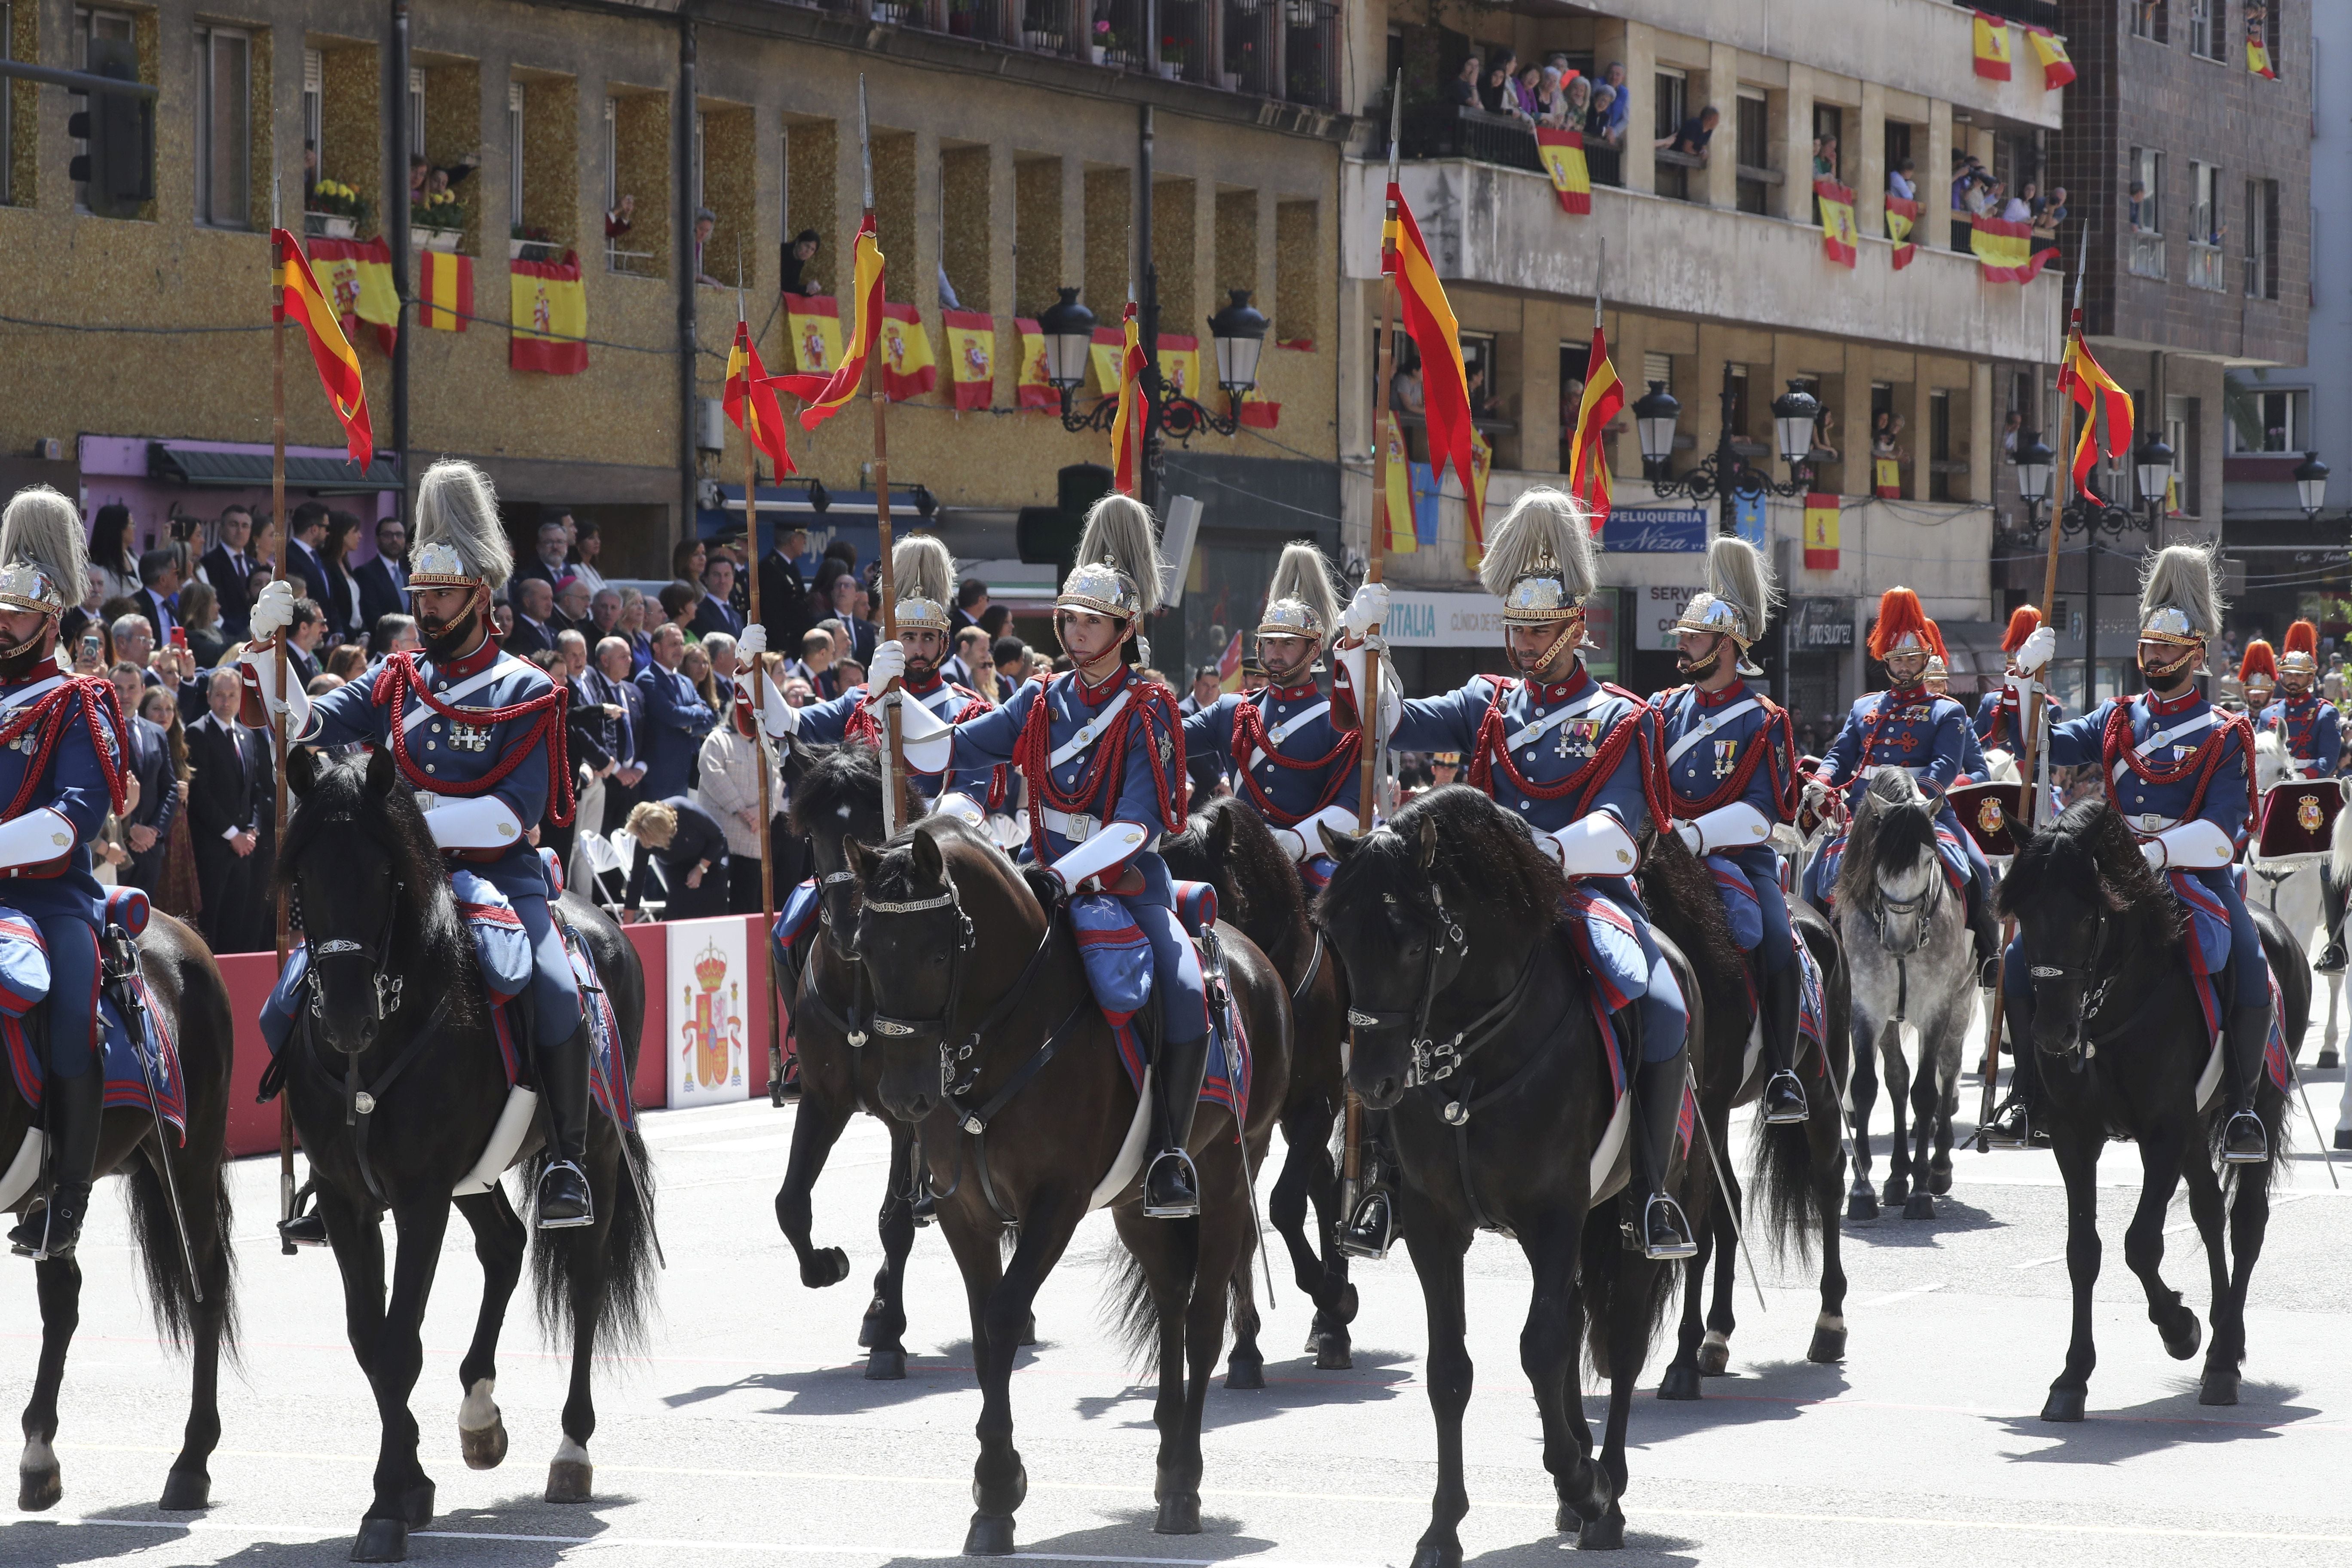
(1434, 1061)
(387, 987)
(958, 1068)
(2083, 1046)
(1921, 907)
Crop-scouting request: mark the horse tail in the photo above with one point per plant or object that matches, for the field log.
(1611, 1281)
(624, 1312)
(157, 1236)
(1130, 1312)
(1781, 1187)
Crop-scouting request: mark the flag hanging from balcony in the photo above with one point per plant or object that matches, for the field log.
(823, 395)
(1258, 411)
(1127, 428)
(1107, 349)
(548, 317)
(908, 368)
(1588, 459)
(2057, 70)
(2258, 50)
(814, 323)
(1821, 532)
(356, 274)
(1179, 364)
(1992, 48)
(445, 291)
(972, 355)
(2006, 252)
(299, 298)
(1229, 665)
(1901, 217)
(1886, 478)
(1445, 385)
(2083, 378)
(1563, 152)
(1037, 390)
(1474, 502)
(1396, 513)
(750, 401)
(1838, 239)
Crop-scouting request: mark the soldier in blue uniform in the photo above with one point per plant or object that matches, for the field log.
(1995, 707)
(479, 734)
(1103, 753)
(62, 770)
(2310, 728)
(1731, 777)
(1283, 746)
(1974, 767)
(1578, 760)
(2178, 771)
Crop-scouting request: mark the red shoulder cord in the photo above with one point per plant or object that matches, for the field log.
(2116, 744)
(1491, 748)
(1781, 749)
(93, 699)
(863, 726)
(1870, 738)
(1032, 753)
(399, 680)
(1250, 738)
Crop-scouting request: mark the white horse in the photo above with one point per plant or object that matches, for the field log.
(2290, 884)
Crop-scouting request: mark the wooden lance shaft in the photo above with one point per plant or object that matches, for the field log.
(277, 728)
(894, 762)
(760, 754)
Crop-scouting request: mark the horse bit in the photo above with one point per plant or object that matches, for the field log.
(952, 1055)
(2083, 1047)
(1432, 1062)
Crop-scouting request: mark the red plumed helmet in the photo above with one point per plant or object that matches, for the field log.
(2302, 638)
(2023, 622)
(2260, 663)
(1903, 625)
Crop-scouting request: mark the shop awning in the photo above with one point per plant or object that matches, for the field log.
(211, 470)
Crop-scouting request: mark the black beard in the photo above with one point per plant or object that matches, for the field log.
(17, 662)
(1699, 671)
(446, 642)
(921, 674)
(2169, 681)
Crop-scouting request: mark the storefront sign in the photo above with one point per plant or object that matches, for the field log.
(1444, 620)
(1655, 613)
(1820, 624)
(1656, 531)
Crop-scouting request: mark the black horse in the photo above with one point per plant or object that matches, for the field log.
(1228, 846)
(2124, 1044)
(993, 1045)
(1448, 922)
(399, 1012)
(184, 987)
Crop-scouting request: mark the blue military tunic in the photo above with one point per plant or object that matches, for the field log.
(1728, 748)
(1114, 753)
(1910, 728)
(2313, 731)
(829, 722)
(1538, 750)
(1285, 755)
(1998, 707)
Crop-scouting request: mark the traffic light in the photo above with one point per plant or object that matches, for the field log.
(118, 172)
(1048, 535)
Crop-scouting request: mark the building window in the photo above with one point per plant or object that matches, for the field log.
(2180, 434)
(114, 27)
(8, 106)
(2204, 227)
(2261, 239)
(224, 128)
(416, 111)
(2205, 29)
(2148, 19)
(1659, 368)
(1754, 142)
(314, 113)
(2281, 419)
(1939, 445)
(514, 151)
(1478, 367)
(2144, 212)
(1669, 93)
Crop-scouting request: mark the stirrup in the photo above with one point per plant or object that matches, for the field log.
(2011, 1127)
(1792, 1108)
(2331, 958)
(32, 1238)
(2244, 1141)
(1662, 1215)
(1371, 1230)
(560, 1220)
(1185, 1203)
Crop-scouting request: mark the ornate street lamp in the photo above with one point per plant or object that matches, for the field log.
(1724, 475)
(2311, 485)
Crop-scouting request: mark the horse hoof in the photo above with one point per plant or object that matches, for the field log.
(1829, 1345)
(869, 1326)
(2182, 1347)
(887, 1365)
(1714, 1357)
(2327, 1059)
(1606, 1533)
(39, 1490)
(2219, 1387)
(826, 1265)
(185, 1491)
(1029, 1330)
(1180, 1514)
(1437, 1554)
(416, 1505)
(1245, 1372)
(1334, 1351)
(1920, 1207)
(2344, 1138)
(1896, 1190)
(1681, 1382)
(2064, 1404)
(381, 1541)
(484, 1448)
(1860, 1204)
(1940, 1182)
(570, 1480)
(990, 1535)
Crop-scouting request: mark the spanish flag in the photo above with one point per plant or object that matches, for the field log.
(2057, 70)
(2083, 378)
(1993, 47)
(1901, 217)
(750, 401)
(1886, 478)
(1838, 239)
(1445, 385)
(1035, 390)
(1126, 426)
(2258, 53)
(299, 297)
(445, 291)
(1821, 532)
(1179, 364)
(1474, 503)
(814, 323)
(1563, 152)
(356, 274)
(1588, 461)
(823, 396)
(1106, 349)
(548, 317)
(1229, 665)
(908, 365)
(972, 355)
(2006, 250)
(1396, 511)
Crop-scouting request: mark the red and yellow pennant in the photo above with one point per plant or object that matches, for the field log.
(1127, 428)
(300, 299)
(1993, 47)
(1839, 240)
(1445, 384)
(2006, 252)
(1229, 665)
(824, 396)
(2057, 70)
(2083, 378)
(1901, 217)
(1563, 152)
(445, 291)
(1474, 502)
(750, 401)
(972, 355)
(1588, 462)
(908, 368)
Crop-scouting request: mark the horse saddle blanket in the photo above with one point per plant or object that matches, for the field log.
(1824, 873)
(1116, 957)
(797, 919)
(2276, 1060)
(2298, 817)
(24, 985)
(608, 1080)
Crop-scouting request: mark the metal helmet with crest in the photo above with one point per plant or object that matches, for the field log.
(1539, 559)
(2179, 596)
(44, 562)
(1118, 571)
(1299, 601)
(1739, 599)
(2299, 655)
(460, 542)
(1904, 627)
(922, 574)
(2023, 622)
(2258, 669)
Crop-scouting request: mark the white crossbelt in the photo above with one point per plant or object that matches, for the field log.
(1296, 721)
(463, 690)
(1094, 730)
(33, 693)
(2163, 738)
(1708, 726)
(1550, 722)
(1077, 827)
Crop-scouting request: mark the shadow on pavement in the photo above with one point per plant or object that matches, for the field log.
(1131, 1538)
(1953, 1215)
(1767, 1391)
(2174, 1420)
(1642, 1546)
(845, 1390)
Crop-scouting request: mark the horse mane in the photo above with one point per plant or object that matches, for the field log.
(1263, 882)
(826, 779)
(1484, 857)
(1678, 890)
(1894, 825)
(893, 876)
(2091, 853)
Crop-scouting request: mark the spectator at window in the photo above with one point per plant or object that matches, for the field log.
(2135, 206)
(2010, 426)
(1495, 95)
(1462, 90)
(1526, 89)
(110, 551)
(1692, 135)
(1825, 157)
(1552, 107)
(704, 220)
(1987, 198)
(621, 217)
(800, 255)
(2019, 207)
(1575, 102)
(1404, 385)
(1615, 112)
(2049, 218)
(1899, 183)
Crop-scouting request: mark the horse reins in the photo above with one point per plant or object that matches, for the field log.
(1921, 909)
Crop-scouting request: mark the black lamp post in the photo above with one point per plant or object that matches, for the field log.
(1724, 475)
(2311, 485)
(2100, 525)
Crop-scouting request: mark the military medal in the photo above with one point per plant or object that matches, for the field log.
(1725, 754)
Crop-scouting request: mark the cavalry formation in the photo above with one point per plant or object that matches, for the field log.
(1529, 1003)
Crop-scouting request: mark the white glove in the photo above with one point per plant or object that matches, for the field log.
(1368, 609)
(1689, 834)
(887, 666)
(274, 611)
(753, 643)
(2038, 645)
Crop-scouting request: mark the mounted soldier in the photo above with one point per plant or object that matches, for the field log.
(1731, 771)
(479, 735)
(1974, 768)
(1995, 706)
(1578, 761)
(1283, 745)
(63, 764)
(2180, 772)
(2257, 677)
(2310, 729)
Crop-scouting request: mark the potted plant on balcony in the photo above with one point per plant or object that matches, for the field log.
(528, 242)
(1109, 45)
(1172, 57)
(437, 221)
(333, 210)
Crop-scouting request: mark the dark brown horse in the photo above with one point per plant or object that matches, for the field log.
(993, 1048)
(184, 987)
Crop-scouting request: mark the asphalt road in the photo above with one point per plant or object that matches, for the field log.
(745, 1432)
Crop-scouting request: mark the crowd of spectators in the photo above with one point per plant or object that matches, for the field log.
(1552, 95)
(1976, 194)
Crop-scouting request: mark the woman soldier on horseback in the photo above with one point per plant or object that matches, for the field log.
(2181, 771)
(1731, 771)
(62, 768)
(1578, 760)
(479, 734)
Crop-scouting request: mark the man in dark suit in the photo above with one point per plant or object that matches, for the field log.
(303, 637)
(534, 600)
(783, 595)
(676, 717)
(158, 585)
(859, 634)
(227, 565)
(548, 566)
(309, 533)
(607, 681)
(149, 822)
(229, 796)
(384, 582)
(716, 614)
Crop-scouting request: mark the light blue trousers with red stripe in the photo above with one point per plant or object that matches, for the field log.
(73, 993)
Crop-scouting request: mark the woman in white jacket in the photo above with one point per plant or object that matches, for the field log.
(730, 791)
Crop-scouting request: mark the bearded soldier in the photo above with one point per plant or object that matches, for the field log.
(2179, 771)
(479, 734)
(1578, 761)
(2309, 728)
(62, 765)
(1731, 774)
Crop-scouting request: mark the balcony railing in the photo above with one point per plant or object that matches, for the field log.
(2205, 267)
(2146, 255)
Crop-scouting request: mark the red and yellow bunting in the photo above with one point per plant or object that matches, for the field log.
(547, 316)
(814, 324)
(1396, 498)
(972, 355)
(908, 369)
(1886, 478)
(2057, 70)
(301, 300)
(356, 274)
(1036, 391)
(1901, 217)
(1821, 532)
(1473, 500)
(1588, 459)
(751, 400)
(2006, 252)
(1563, 152)
(825, 393)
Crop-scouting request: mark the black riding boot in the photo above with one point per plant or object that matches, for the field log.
(74, 1109)
(308, 1225)
(1370, 1228)
(1985, 932)
(2331, 899)
(2017, 1123)
(1658, 1089)
(1171, 1188)
(2244, 1141)
(1784, 1096)
(564, 1201)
